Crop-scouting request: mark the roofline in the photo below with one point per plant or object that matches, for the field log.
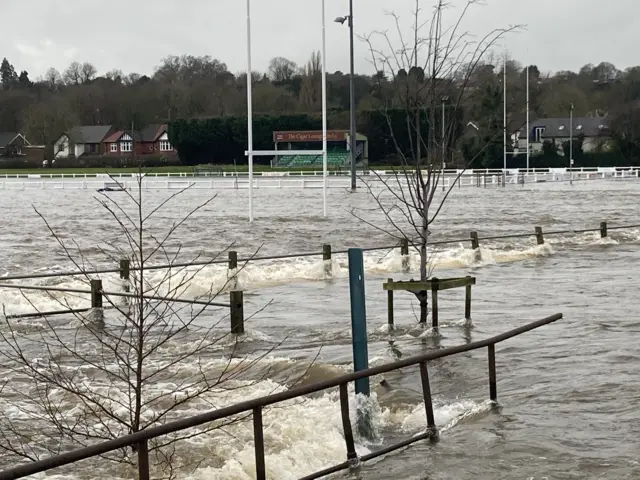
(19, 135)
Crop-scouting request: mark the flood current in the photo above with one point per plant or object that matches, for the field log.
(568, 392)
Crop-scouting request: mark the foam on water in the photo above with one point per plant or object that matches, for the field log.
(203, 282)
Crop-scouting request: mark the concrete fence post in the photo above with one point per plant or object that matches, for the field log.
(539, 236)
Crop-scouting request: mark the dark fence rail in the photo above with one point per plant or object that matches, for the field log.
(140, 439)
(326, 253)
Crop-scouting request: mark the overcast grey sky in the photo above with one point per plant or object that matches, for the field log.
(133, 35)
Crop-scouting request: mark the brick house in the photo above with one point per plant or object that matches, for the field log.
(151, 140)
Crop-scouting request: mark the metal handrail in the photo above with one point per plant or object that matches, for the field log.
(256, 405)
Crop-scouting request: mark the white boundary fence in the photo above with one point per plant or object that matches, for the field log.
(299, 179)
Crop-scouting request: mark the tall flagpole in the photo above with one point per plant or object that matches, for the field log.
(324, 110)
(528, 119)
(249, 111)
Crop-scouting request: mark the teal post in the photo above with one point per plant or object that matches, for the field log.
(358, 318)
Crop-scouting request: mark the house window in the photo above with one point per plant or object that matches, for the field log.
(114, 147)
(126, 146)
(538, 133)
(165, 146)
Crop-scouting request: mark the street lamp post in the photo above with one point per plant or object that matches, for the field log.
(445, 99)
(352, 99)
(571, 145)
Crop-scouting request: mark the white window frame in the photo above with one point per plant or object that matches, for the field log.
(538, 134)
(165, 146)
(126, 146)
(114, 148)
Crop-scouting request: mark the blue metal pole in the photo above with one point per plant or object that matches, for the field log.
(358, 318)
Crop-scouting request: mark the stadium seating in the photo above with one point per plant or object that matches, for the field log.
(334, 158)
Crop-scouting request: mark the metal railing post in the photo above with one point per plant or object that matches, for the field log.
(258, 435)
(352, 456)
(493, 388)
(428, 405)
(143, 460)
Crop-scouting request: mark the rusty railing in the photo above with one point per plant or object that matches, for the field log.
(140, 439)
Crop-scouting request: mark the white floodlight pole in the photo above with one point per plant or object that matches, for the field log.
(504, 121)
(324, 110)
(527, 119)
(249, 111)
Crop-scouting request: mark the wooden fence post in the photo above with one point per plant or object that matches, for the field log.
(96, 293)
(475, 244)
(467, 299)
(539, 236)
(125, 273)
(404, 251)
(603, 229)
(233, 260)
(390, 320)
(435, 285)
(326, 258)
(237, 312)
(125, 268)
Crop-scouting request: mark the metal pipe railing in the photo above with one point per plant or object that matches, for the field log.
(141, 438)
(114, 294)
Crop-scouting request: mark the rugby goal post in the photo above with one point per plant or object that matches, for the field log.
(250, 152)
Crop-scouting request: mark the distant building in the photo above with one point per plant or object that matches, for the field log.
(16, 151)
(153, 139)
(11, 144)
(594, 130)
(82, 140)
(104, 140)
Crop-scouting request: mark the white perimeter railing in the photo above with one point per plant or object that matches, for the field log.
(300, 179)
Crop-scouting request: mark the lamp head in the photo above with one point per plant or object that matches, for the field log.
(340, 20)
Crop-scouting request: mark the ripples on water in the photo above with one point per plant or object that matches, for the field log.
(567, 390)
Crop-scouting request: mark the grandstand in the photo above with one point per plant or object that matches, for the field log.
(337, 148)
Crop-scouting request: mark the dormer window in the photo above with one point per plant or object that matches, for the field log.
(579, 127)
(538, 132)
(561, 127)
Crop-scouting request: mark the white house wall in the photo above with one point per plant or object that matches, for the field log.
(79, 150)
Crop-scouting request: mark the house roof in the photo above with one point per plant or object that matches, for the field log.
(152, 132)
(114, 137)
(7, 137)
(559, 127)
(88, 133)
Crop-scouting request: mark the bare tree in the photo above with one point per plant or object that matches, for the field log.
(88, 72)
(281, 69)
(53, 78)
(430, 72)
(119, 373)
